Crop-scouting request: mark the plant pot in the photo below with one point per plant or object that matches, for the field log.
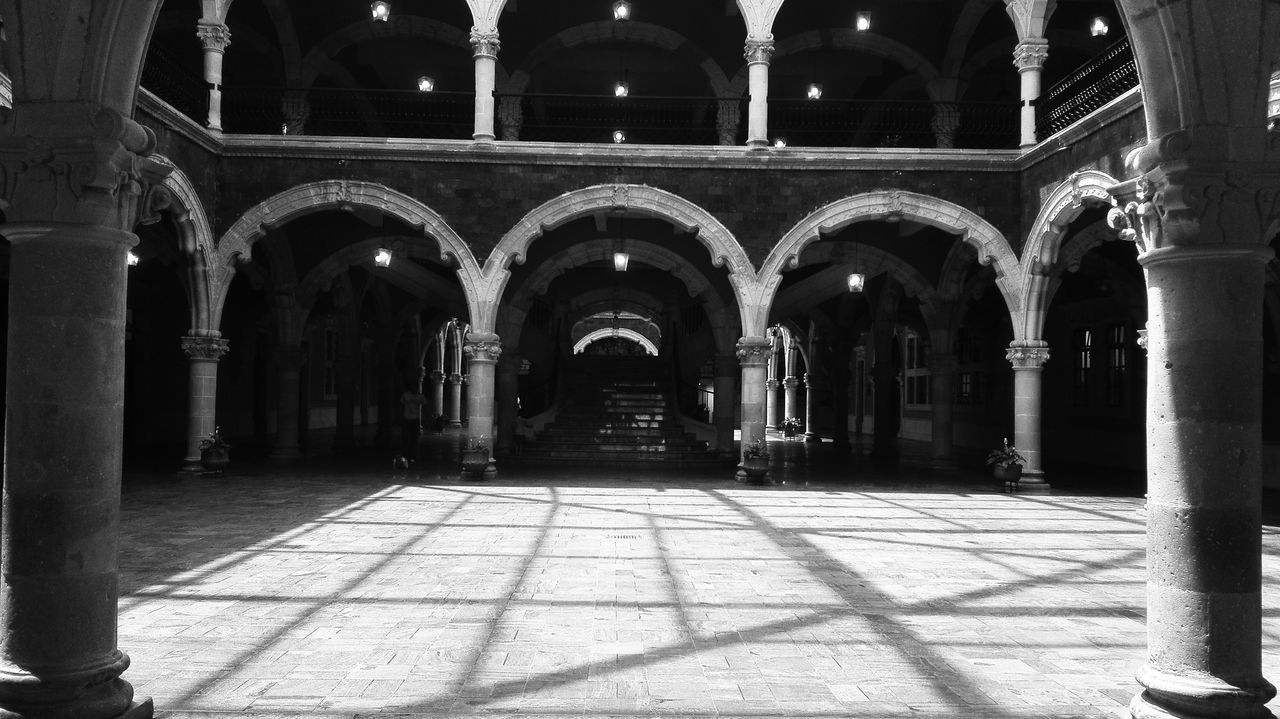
(756, 469)
(215, 461)
(474, 463)
(1009, 474)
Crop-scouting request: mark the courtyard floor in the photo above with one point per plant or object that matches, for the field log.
(337, 588)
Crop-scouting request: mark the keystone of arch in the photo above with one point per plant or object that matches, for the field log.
(623, 200)
(342, 194)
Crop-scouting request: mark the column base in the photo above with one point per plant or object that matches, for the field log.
(1033, 484)
(490, 471)
(191, 466)
(453, 423)
(143, 708)
(1174, 697)
(812, 437)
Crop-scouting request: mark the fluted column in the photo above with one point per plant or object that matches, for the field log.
(771, 403)
(1028, 360)
(1029, 57)
(288, 393)
(482, 350)
(454, 383)
(726, 386)
(69, 200)
(214, 38)
(484, 47)
(942, 368)
(203, 354)
(508, 401)
(758, 54)
(753, 355)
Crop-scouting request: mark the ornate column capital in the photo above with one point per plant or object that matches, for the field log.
(100, 175)
(754, 351)
(482, 347)
(204, 348)
(1027, 357)
(484, 44)
(759, 50)
(791, 382)
(1030, 54)
(214, 36)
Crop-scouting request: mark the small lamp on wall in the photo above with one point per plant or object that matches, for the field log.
(622, 11)
(619, 137)
(380, 10)
(814, 92)
(857, 281)
(426, 84)
(862, 21)
(1099, 28)
(382, 257)
(620, 261)
(133, 259)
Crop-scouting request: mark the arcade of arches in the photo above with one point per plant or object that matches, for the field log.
(1104, 295)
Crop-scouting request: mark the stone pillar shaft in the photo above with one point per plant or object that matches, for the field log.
(942, 368)
(455, 400)
(790, 397)
(437, 394)
(60, 528)
(726, 386)
(202, 393)
(753, 354)
(485, 46)
(482, 350)
(758, 53)
(214, 38)
(1204, 525)
(810, 400)
(771, 403)
(1028, 378)
(288, 373)
(508, 402)
(1029, 57)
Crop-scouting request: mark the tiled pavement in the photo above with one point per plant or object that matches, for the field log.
(340, 590)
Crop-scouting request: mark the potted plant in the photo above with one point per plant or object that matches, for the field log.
(475, 457)
(755, 461)
(215, 453)
(1006, 463)
(790, 426)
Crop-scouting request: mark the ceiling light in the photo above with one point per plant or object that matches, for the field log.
(857, 281)
(814, 92)
(426, 84)
(1099, 27)
(382, 258)
(620, 261)
(862, 21)
(621, 88)
(619, 137)
(622, 11)
(133, 259)
(380, 10)
(780, 142)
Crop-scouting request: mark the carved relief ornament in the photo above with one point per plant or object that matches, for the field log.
(481, 347)
(485, 44)
(754, 351)
(1031, 54)
(759, 50)
(213, 36)
(1027, 357)
(205, 348)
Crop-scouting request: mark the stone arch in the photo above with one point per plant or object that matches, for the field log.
(846, 39)
(608, 31)
(196, 235)
(623, 332)
(991, 246)
(411, 26)
(635, 200)
(343, 194)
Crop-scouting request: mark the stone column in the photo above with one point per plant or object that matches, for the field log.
(942, 368)
(753, 355)
(482, 350)
(1028, 360)
(810, 400)
(885, 437)
(64, 403)
(288, 392)
(485, 51)
(840, 376)
(508, 402)
(726, 386)
(758, 53)
(728, 117)
(203, 354)
(388, 407)
(437, 393)
(214, 38)
(1029, 57)
(455, 400)
(344, 438)
(771, 403)
(790, 397)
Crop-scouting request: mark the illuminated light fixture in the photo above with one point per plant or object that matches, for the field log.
(1099, 28)
(133, 259)
(862, 21)
(620, 261)
(382, 258)
(380, 10)
(814, 92)
(622, 11)
(857, 281)
(621, 88)
(426, 84)
(619, 137)
(780, 143)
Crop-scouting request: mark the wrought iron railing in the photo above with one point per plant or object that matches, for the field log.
(1104, 78)
(360, 113)
(874, 123)
(642, 120)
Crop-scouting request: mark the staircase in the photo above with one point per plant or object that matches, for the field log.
(616, 410)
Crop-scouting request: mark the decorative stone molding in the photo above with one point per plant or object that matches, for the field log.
(759, 51)
(482, 347)
(1139, 221)
(95, 179)
(214, 36)
(1031, 54)
(754, 351)
(1025, 357)
(484, 44)
(204, 348)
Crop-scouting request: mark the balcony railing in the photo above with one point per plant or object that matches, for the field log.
(1101, 80)
(643, 120)
(360, 113)
(875, 123)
